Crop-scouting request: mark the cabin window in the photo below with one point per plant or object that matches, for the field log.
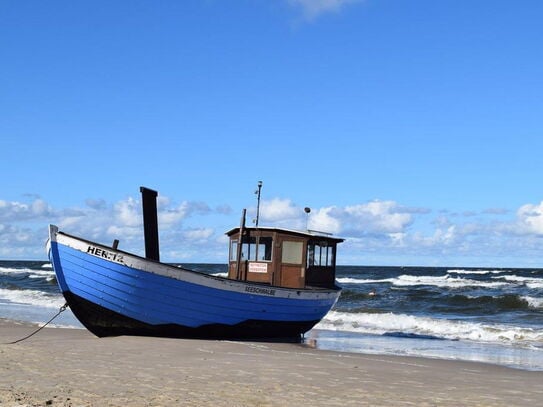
(320, 254)
(292, 252)
(233, 250)
(264, 249)
(252, 249)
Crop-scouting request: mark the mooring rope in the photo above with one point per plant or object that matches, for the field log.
(60, 311)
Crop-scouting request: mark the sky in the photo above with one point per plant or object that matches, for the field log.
(413, 129)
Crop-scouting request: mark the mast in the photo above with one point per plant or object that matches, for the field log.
(257, 192)
(240, 242)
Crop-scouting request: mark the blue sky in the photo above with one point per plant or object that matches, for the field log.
(411, 128)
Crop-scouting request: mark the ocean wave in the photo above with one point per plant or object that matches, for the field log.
(381, 324)
(494, 303)
(479, 272)
(351, 280)
(48, 274)
(353, 296)
(11, 270)
(444, 281)
(533, 302)
(31, 297)
(516, 278)
(530, 282)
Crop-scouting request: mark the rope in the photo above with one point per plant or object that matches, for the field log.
(60, 311)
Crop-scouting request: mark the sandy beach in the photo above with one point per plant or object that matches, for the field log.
(70, 367)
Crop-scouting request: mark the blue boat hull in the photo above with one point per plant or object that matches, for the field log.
(115, 293)
(103, 322)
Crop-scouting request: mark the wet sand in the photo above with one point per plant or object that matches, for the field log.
(69, 367)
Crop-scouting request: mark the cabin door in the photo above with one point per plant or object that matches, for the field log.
(292, 264)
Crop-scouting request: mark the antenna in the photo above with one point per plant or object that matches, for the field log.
(257, 192)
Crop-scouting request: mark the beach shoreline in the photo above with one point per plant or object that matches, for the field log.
(71, 367)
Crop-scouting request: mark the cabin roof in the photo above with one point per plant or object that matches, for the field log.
(306, 234)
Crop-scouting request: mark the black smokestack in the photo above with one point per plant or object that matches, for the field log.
(150, 223)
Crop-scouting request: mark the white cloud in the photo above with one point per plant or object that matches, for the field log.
(323, 220)
(315, 8)
(373, 230)
(378, 217)
(18, 211)
(279, 210)
(202, 234)
(446, 236)
(375, 217)
(171, 216)
(127, 212)
(530, 218)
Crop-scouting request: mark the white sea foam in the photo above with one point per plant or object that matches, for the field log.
(516, 278)
(31, 297)
(529, 282)
(444, 281)
(350, 280)
(437, 281)
(533, 302)
(381, 323)
(481, 272)
(48, 273)
(8, 270)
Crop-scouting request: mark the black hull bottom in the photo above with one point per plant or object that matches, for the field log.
(103, 322)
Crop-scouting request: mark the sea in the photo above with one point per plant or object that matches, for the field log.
(488, 315)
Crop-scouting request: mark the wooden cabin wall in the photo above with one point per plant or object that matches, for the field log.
(254, 270)
(320, 277)
(259, 277)
(288, 264)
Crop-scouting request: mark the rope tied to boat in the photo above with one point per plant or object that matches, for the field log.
(60, 311)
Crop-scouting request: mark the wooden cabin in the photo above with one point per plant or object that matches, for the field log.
(282, 257)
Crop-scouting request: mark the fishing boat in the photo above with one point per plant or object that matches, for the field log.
(280, 283)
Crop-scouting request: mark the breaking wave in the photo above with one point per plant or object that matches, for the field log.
(476, 272)
(496, 303)
(386, 323)
(43, 272)
(446, 280)
(31, 297)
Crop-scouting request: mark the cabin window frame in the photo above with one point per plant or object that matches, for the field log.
(252, 248)
(320, 253)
